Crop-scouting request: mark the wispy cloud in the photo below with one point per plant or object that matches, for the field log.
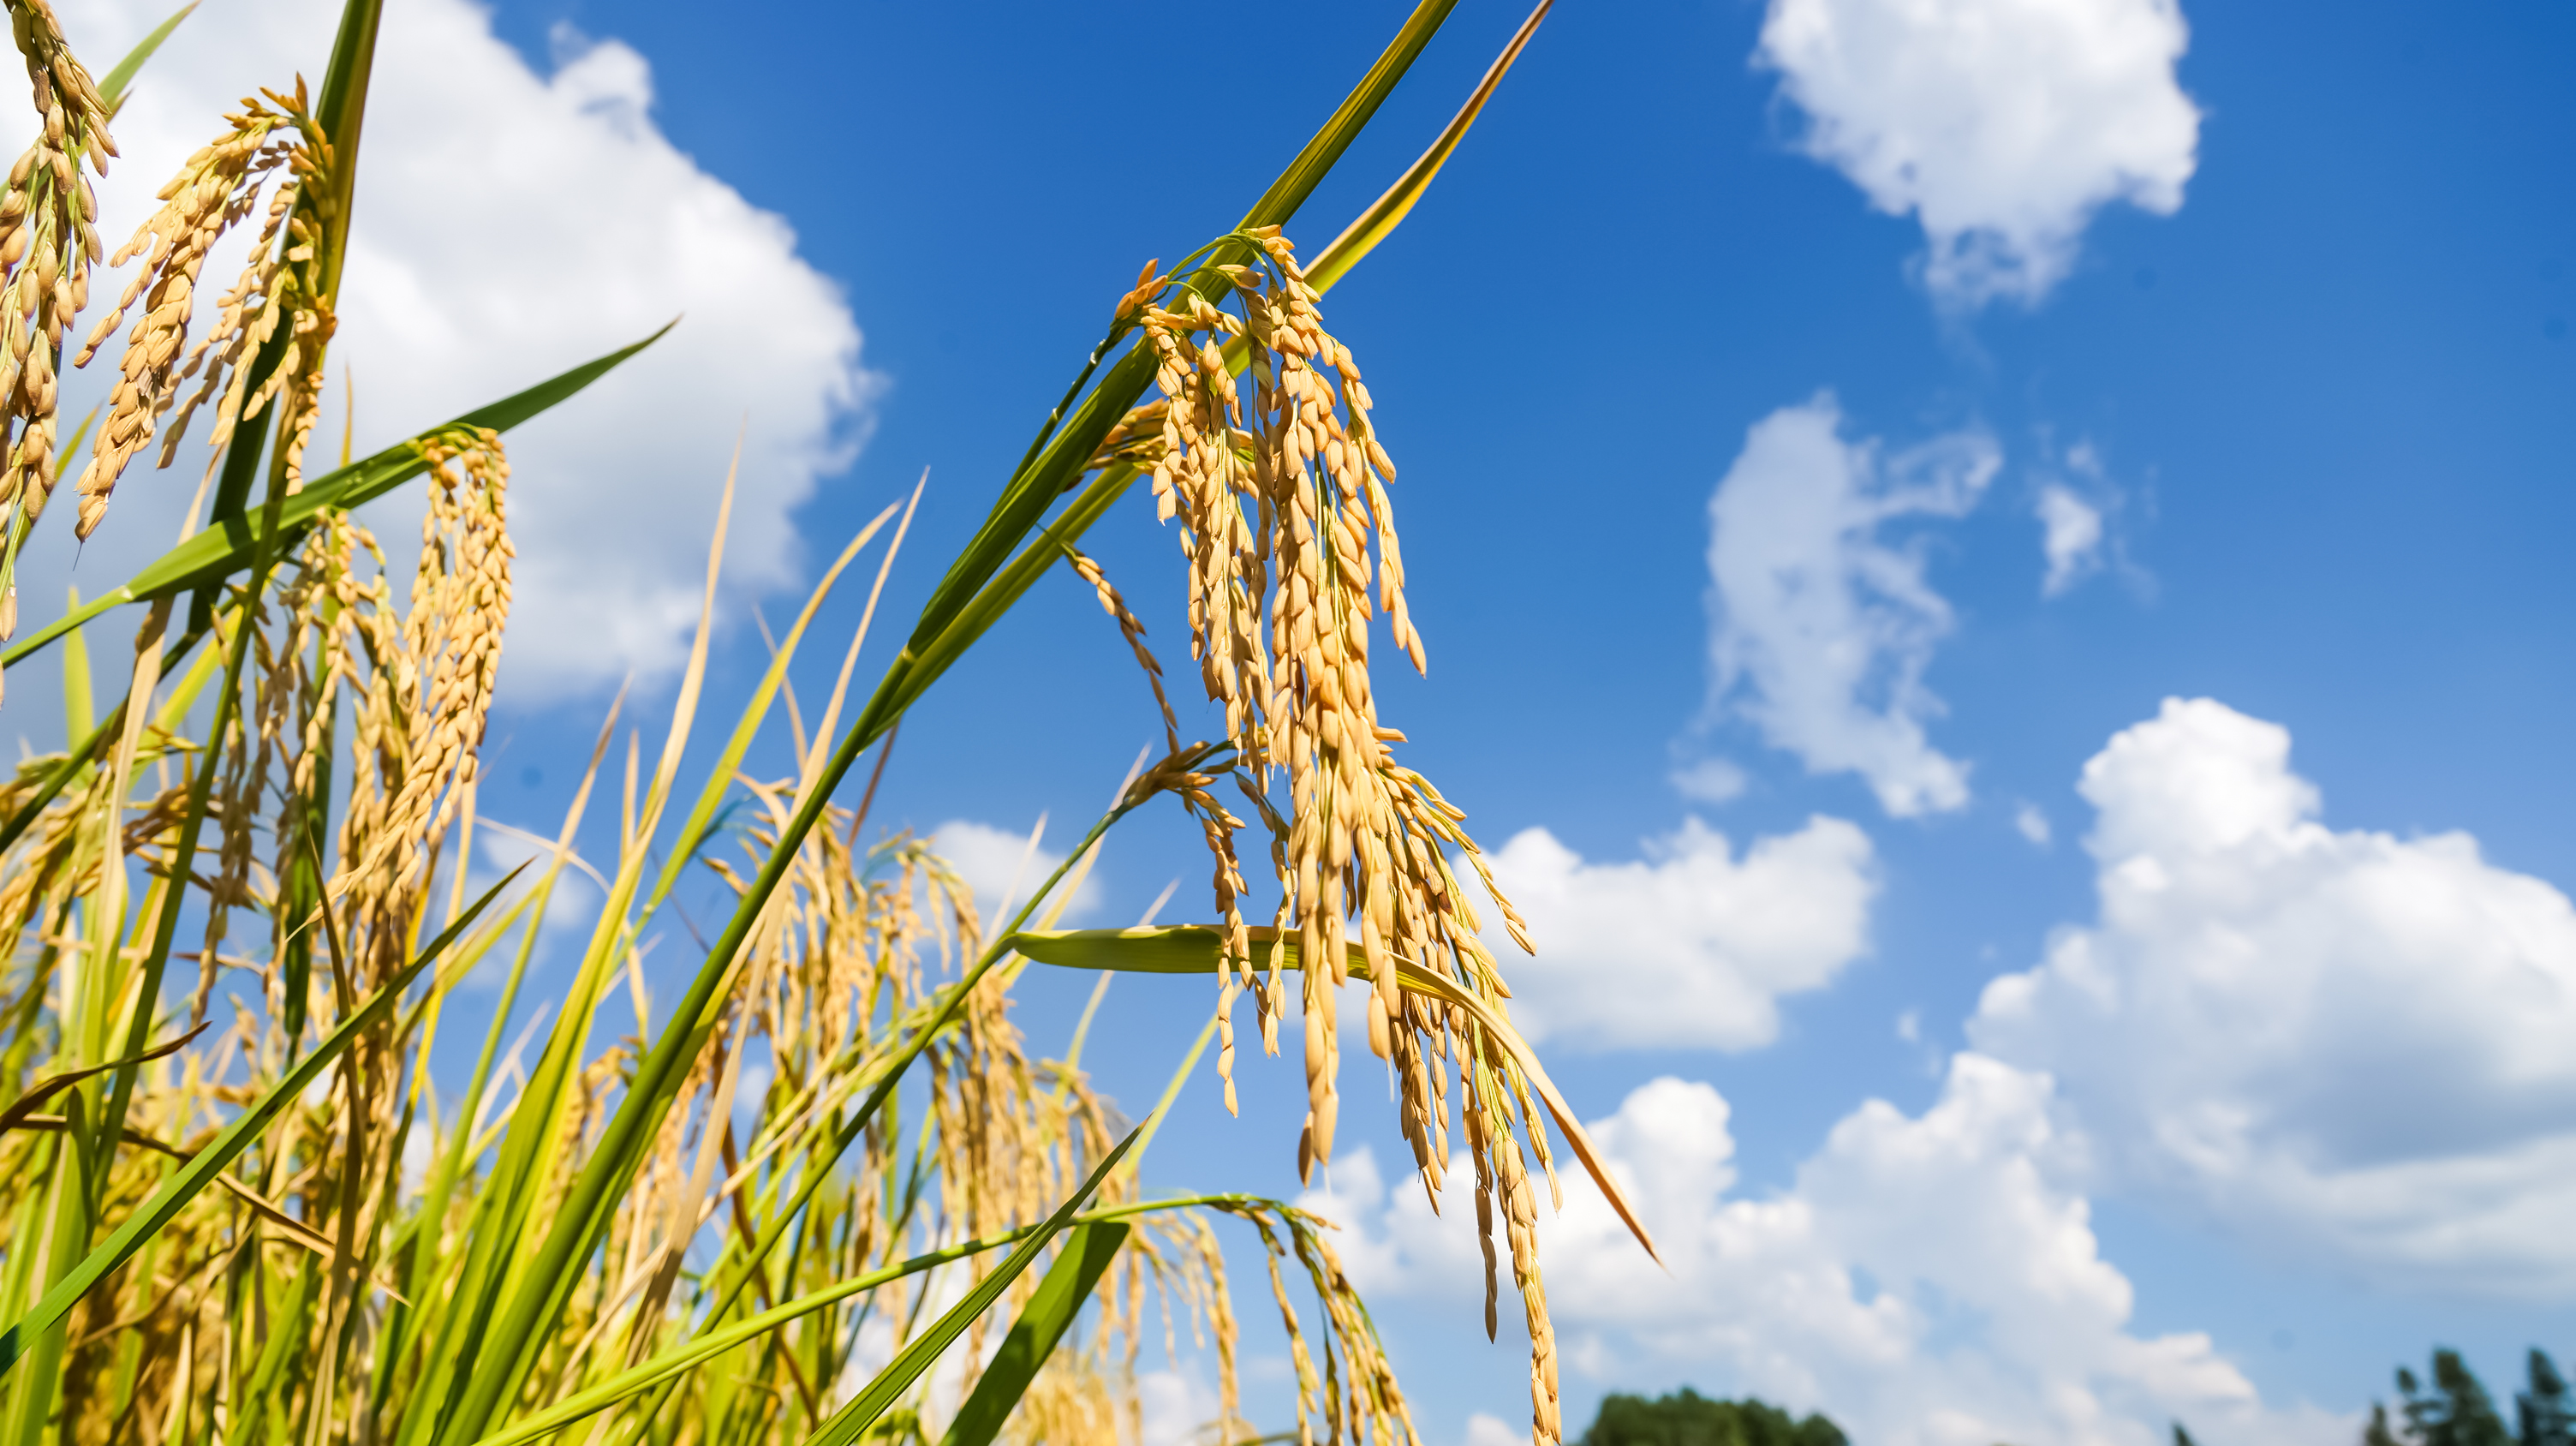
(2070, 538)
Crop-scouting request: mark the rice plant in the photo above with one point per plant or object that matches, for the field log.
(242, 1210)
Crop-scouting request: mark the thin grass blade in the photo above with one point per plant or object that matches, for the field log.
(1383, 215)
(111, 86)
(1278, 204)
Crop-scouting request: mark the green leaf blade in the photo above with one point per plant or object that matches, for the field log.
(225, 546)
(1049, 1314)
(852, 1421)
(111, 86)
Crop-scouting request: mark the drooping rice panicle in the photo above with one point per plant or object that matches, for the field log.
(217, 189)
(48, 243)
(1278, 482)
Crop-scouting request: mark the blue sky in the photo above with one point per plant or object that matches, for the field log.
(2283, 308)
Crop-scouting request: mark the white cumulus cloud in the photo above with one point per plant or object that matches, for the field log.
(1927, 1281)
(2343, 1042)
(509, 224)
(2002, 124)
(1690, 946)
(1820, 626)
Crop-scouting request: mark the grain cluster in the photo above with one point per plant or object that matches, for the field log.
(1269, 462)
(48, 243)
(280, 291)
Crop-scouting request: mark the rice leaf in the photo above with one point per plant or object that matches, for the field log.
(1197, 949)
(1384, 214)
(853, 1420)
(80, 709)
(1316, 161)
(111, 86)
(342, 110)
(218, 551)
(1043, 1322)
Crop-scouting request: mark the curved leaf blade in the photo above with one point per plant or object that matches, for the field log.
(1387, 212)
(111, 86)
(1199, 949)
(1316, 161)
(227, 545)
(853, 1420)
(1033, 1336)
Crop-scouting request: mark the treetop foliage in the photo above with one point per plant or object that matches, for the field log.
(2454, 1409)
(1687, 1418)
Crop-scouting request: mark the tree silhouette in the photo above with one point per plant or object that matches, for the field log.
(2455, 1410)
(2547, 1408)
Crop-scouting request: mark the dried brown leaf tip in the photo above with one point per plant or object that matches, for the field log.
(281, 288)
(1270, 463)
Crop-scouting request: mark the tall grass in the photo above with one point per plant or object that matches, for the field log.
(824, 1193)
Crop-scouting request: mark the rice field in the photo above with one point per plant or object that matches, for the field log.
(243, 1209)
